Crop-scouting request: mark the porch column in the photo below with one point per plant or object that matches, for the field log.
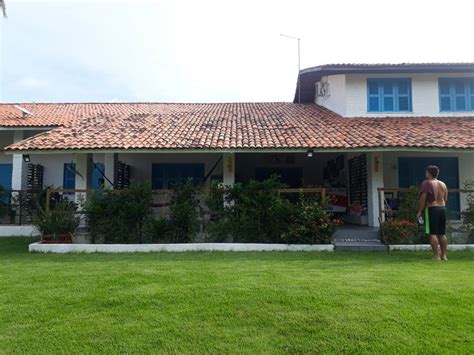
(375, 180)
(110, 164)
(83, 175)
(228, 176)
(17, 164)
(228, 162)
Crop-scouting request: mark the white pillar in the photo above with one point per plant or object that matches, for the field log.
(374, 181)
(110, 164)
(228, 162)
(83, 174)
(18, 164)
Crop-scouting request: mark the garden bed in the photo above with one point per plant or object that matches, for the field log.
(176, 247)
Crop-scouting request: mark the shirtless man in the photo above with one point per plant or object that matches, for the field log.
(433, 199)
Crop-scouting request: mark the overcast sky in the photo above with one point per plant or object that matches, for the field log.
(211, 51)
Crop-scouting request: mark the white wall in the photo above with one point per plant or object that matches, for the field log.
(6, 138)
(336, 98)
(425, 97)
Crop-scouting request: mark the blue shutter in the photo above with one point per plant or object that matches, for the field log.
(388, 95)
(373, 96)
(69, 177)
(456, 94)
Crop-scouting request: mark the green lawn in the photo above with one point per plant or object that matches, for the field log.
(234, 302)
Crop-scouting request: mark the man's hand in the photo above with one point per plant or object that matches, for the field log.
(418, 215)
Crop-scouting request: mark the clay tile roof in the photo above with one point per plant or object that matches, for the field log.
(240, 126)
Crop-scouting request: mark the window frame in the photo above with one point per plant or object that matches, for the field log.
(395, 94)
(468, 83)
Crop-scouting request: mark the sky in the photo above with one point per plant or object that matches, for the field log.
(211, 51)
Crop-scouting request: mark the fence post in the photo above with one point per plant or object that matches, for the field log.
(379, 190)
(48, 199)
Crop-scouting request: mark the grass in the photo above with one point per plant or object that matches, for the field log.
(267, 302)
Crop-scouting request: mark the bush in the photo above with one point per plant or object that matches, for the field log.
(60, 220)
(404, 229)
(468, 217)
(309, 222)
(399, 232)
(255, 212)
(184, 216)
(118, 216)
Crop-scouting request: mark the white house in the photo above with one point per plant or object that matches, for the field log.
(357, 128)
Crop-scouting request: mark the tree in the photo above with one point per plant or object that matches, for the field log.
(3, 8)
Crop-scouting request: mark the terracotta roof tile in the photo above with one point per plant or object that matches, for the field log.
(231, 126)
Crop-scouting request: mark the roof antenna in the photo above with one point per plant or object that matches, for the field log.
(299, 65)
(24, 111)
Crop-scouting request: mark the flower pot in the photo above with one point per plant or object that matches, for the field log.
(57, 238)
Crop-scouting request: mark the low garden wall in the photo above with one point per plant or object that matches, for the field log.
(423, 247)
(177, 247)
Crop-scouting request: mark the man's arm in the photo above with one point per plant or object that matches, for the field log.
(421, 204)
(445, 194)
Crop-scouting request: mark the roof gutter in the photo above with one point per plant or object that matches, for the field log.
(240, 150)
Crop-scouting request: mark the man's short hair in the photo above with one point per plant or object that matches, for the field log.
(433, 170)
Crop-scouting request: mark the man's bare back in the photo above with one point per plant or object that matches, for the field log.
(440, 193)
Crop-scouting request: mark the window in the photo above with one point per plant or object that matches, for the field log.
(165, 176)
(389, 95)
(456, 94)
(69, 176)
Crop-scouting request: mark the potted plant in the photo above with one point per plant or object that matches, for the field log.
(56, 225)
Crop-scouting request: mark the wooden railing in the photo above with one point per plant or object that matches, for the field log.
(384, 212)
(305, 190)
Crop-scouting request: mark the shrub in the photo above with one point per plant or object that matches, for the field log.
(118, 216)
(406, 213)
(184, 216)
(468, 216)
(254, 212)
(399, 232)
(60, 220)
(156, 230)
(408, 206)
(309, 222)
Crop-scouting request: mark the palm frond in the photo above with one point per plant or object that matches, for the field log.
(3, 8)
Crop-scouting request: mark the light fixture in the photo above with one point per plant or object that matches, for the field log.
(309, 153)
(26, 158)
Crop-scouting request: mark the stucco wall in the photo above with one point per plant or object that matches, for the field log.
(336, 98)
(6, 138)
(425, 96)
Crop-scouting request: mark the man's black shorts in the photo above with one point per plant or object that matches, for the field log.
(435, 220)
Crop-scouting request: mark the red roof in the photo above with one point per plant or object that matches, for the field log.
(235, 126)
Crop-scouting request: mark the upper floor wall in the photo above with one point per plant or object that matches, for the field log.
(348, 94)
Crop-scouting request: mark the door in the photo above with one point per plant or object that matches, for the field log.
(411, 172)
(6, 176)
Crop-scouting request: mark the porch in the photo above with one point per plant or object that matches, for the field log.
(350, 179)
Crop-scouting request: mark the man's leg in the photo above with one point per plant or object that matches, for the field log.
(443, 242)
(435, 246)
